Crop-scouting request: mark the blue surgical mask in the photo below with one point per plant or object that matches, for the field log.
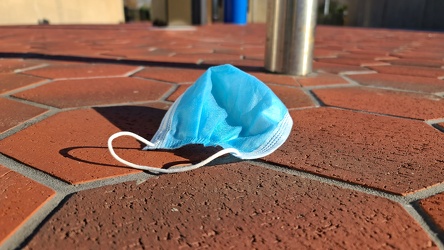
(225, 107)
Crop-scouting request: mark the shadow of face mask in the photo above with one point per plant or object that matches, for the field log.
(225, 107)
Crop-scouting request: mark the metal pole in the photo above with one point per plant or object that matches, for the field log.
(326, 7)
(290, 36)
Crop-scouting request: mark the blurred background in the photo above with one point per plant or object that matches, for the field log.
(402, 14)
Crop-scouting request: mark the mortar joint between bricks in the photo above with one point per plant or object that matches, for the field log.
(331, 181)
(28, 123)
(24, 88)
(138, 69)
(43, 65)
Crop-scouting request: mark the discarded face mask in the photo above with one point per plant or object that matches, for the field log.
(225, 107)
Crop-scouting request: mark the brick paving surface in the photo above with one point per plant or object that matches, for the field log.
(391, 102)
(362, 168)
(400, 82)
(16, 113)
(69, 71)
(434, 207)
(238, 205)
(97, 91)
(21, 197)
(13, 81)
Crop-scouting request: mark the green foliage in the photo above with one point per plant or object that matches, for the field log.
(335, 16)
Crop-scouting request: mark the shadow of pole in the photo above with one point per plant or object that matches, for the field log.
(85, 59)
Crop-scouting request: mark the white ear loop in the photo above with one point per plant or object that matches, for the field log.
(160, 170)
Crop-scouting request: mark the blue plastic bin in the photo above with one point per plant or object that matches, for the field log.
(235, 11)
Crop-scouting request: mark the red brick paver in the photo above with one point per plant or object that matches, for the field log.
(97, 91)
(351, 61)
(244, 63)
(11, 65)
(10, 82)
(235, 206)
(65, 71)
(336, 68)
(434, 206)
(413, 83)
(179, 91)
(20, 197)
(410, 71)
(292, 97)
(68, 154)
(321, 79)
(171, 75)
(434, 63)
(13, 113)
(392, 154)
(67, 148)
(276, 78)
(441, 125)
(411, 105)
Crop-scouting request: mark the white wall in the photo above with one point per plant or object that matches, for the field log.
(14, 12)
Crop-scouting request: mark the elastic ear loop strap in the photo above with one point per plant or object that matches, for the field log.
(160, 170)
